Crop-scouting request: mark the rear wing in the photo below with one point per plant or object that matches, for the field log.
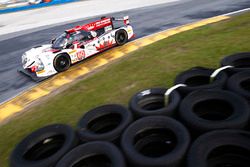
(99, 24)
(125, 20)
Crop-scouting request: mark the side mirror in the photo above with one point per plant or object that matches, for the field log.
(82, 47)
(93, 34)
(68, 45)
(53, 40)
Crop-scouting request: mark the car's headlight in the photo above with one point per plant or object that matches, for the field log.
(24, 59)
(40, 65)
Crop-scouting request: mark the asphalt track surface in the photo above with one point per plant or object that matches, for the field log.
(145, 21)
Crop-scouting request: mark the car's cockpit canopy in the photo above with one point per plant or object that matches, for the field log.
(66, 39)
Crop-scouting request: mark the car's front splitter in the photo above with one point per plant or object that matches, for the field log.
(32, 75)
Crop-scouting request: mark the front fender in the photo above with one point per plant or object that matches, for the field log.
(47, 60)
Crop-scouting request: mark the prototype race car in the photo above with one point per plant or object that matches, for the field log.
(75, 45)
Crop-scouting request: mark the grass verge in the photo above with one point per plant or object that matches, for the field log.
(153, 66)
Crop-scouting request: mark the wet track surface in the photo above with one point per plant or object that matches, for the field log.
(145, 21)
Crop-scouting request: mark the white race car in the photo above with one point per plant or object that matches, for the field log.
(74, 45)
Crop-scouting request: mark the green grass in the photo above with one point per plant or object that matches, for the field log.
(153, 66)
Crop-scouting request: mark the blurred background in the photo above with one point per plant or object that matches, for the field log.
(18, 3)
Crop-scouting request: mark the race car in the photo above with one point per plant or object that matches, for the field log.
(75, 45)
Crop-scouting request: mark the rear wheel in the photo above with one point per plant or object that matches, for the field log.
(121, 37)
(61, 62)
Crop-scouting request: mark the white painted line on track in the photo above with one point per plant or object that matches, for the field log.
(238, 11)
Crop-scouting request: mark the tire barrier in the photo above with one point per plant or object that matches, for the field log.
(198, 78)
(155, 141)
(93, 154)
(240, 62)
(44, 147)
(203, 120)
(104, 123)
(151, 102)
(207, 110)
(220, 148)
(240, 84)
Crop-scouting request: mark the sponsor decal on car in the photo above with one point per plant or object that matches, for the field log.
(73, 51)
(40, 72)
(80, 55)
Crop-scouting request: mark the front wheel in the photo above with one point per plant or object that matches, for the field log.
(61, 62)
(121, 37)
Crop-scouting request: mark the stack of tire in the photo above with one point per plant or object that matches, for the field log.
(204, 124)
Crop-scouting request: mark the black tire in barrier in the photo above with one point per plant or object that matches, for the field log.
(240, 84)
(222, 148)
(44, 147)
(93, 154)
(198, 78)
(207, 110)
(240, 61)
(105, 123)
(151, 102)
(155, 141)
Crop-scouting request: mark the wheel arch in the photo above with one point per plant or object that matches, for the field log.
(122, 28)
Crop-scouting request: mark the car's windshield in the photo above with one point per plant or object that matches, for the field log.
(65, 39)
(60, 41)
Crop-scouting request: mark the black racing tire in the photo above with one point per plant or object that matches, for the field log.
(155, 141)
(151, 102)
(240, 61)
(104, 123)
(222, 148)
(198, 78)
(240, 84)
(44, 147)
(121, 37)
(62, 62)
(207, 110)
(93, 154)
